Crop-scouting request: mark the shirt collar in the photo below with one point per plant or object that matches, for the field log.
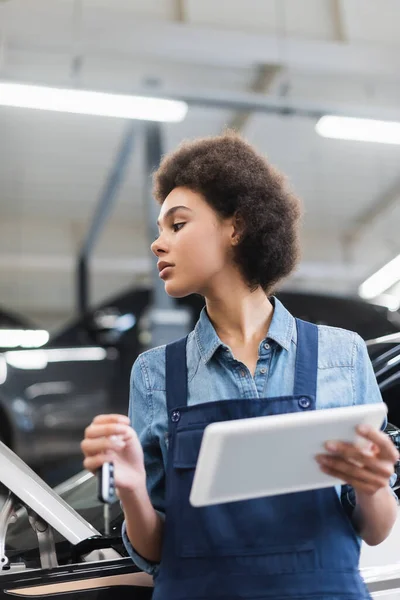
(280, 331)
(282, 325)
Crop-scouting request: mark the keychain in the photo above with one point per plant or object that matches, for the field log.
(106, 491)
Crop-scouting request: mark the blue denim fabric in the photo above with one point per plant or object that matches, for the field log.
(345, 377)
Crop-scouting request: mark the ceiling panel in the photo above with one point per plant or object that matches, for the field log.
(308, 18)
(38, 18)
(311, 19)
(254, 15)
(154, 9)
(64, 9)
(372, 20)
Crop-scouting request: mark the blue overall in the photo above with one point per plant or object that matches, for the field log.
(299, 545)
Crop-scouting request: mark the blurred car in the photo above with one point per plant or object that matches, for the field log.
(385, 356)
(17, 332)
(48, 551)
(353, 313)
(48, 395)
(12, 320)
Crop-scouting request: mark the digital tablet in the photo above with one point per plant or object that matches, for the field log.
(266, 456)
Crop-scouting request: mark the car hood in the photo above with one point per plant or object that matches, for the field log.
(35, 494)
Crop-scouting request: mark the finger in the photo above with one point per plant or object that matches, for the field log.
(386, 447)
(380, 468)
(93, 446)
(93, 463)
(363, 453)
(351, 473)
(354, 451)
(361, 457)
(358, 484)
(95, 431)
(112, 418)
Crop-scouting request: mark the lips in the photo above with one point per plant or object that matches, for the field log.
(163, 264)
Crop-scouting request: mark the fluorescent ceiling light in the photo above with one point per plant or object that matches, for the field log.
(25, 338)
(362, 130)
(39, 359)
(92, 103)
(382, 280)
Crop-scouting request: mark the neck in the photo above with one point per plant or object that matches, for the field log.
(240, 316)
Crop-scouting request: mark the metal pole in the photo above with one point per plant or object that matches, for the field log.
(284, 106)
(83, 283)
(101, 214)
(168, 322)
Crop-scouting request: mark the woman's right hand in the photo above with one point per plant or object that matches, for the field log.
(110, 438)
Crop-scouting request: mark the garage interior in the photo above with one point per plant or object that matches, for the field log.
(267, 68)
(314, 85)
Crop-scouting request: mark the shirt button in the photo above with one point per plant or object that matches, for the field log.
(304, 402)
(263, 370)
(175, 416)
(266, 346)
(242, 374)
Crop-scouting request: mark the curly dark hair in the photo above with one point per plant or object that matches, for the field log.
(237, 181)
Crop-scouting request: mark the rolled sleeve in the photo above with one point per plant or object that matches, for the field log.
(366, 391)
(140, 562)
(141, 414)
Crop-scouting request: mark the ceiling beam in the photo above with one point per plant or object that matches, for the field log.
(338, 20)
(180, 11)
(265, 76)
(212, 98)
(281, 105)
(192, 44)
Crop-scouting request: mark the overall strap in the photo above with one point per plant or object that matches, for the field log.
(176, 374)
(305, 382)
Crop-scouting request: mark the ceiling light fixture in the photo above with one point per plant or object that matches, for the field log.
(24, 338)
(361, 130)
(92, 103)
(381, 281)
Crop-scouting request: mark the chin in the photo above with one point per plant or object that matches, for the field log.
(176, 291)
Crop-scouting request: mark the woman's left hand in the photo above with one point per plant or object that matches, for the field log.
(366, 470)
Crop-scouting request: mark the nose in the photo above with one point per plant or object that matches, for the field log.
(157, 247)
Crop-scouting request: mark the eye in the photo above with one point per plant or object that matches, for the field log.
(177, 226)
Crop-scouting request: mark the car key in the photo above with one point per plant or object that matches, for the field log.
(106, 491)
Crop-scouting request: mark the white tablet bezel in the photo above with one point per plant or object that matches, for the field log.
(217, 433)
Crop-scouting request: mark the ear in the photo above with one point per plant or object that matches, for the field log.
(237, 229)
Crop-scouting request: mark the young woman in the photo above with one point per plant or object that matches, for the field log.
(228, 230)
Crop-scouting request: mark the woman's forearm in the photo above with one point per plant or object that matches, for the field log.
(375, 515)
(144, 526)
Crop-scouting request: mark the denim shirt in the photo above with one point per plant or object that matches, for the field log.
(345, 377)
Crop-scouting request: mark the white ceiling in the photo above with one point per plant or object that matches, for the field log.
(342, 55)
